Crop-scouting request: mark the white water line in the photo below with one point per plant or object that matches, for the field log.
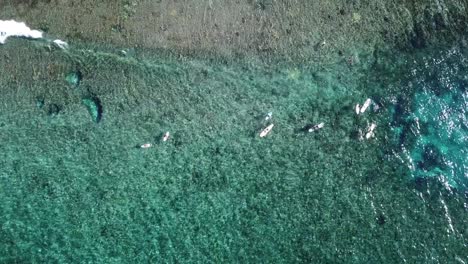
(11, 28)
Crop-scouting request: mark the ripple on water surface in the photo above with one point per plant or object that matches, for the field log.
(431, 127)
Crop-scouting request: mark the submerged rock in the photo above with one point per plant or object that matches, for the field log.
(93, 104)
(74, 78)
(53, 110)
(40, 102)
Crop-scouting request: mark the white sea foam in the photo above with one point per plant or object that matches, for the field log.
(60, 43)
(11, 28)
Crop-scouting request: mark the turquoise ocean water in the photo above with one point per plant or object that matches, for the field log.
(77, 187)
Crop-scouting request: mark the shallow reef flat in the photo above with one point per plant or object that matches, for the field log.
(216, 190)
(296, 31)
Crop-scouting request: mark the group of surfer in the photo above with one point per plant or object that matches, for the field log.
(315, 127)
(308, 128)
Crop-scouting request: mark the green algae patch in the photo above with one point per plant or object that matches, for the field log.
(94, 106)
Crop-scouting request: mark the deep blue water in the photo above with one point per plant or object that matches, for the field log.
(429, 117)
